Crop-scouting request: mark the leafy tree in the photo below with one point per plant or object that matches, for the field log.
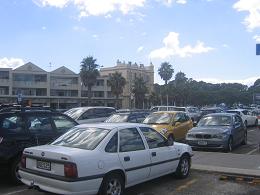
(117, 82)
(166, 71)
(139, 90)
(88, 74)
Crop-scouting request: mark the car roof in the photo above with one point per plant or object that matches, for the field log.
(111, 126)
(221, 114)
(170, 112)
(240, 110)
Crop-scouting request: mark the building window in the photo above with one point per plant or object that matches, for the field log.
(100, 82)
(98, 93)
(4, 75)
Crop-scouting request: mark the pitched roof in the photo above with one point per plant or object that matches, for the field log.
(63, 70)
(29, 67)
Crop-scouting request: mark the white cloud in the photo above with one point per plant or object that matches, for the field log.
(144, 34)
(252, 20)
(108, 16)
(139, 49)
(170, 2)
(172, 48)
(248, 81)
(54, 3)
(118, 20)
(11, 62)
(257, 38)
(95, 7)
(44, 28)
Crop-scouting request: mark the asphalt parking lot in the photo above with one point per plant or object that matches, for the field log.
(198, 183)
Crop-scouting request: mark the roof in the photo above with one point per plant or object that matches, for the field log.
(63, 71)
(29, 67)
(221, 114)
(111, 126)
(170, 112)
(240, 110)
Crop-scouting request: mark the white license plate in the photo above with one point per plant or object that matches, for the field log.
(43, 165)
(202, 143)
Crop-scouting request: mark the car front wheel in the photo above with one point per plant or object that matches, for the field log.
(14, 174)
(183, 169)
(112, 184)
(229, 146)
(244, 142)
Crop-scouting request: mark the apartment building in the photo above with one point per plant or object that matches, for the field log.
(130, 71)
(62, 88)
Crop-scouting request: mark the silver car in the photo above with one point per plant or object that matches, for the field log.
(218, 131)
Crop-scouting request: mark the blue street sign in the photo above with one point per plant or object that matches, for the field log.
(257, 49)
(19, 98)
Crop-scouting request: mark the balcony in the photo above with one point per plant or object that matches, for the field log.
(29, 84)
(5, 82)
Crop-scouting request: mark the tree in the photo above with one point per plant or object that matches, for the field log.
(166, 71)
(88, 74)
(117, 82)
(139, 90)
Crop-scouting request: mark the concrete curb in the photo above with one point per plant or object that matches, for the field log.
(252, 173)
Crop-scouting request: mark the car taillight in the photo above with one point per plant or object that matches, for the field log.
(23, 161)
(258, 117)
(1, 139)
(70, 170)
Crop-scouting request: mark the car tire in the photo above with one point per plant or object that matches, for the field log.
(244, 142)
(246, 125)
(14, 168)
(113, 184)
(183, 169)
(229, 147)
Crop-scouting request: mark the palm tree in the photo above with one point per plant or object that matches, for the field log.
(139, 90)
(117, 82)
(166, 71)
(88, 74)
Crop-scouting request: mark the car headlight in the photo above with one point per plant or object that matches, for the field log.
(220, 135)
(163, 131)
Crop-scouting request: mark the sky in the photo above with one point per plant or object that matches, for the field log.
(209, 40)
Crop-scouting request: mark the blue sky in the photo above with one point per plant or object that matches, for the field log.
(210, 40)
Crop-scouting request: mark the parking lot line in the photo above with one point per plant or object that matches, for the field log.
(252, 151)
(251, 130)
(15, 192)
(186, 185)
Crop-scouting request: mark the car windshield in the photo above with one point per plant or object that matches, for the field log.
(234, 112)
(215, 121)
(83, 138)
(158, 118)
(117, 118)
(75, 113)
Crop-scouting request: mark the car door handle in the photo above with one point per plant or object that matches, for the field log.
(127, 158)
(153, 153)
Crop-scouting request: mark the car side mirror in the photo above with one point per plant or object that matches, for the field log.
(169, 142)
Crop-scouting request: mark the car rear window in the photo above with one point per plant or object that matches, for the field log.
(12, 124)
(83, 138)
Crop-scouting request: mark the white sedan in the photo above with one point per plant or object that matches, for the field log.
(103, 158)
(247, 117)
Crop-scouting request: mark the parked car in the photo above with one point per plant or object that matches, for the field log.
(193, 112)
(131, 117)
(218, 131)
(256, 113)
(104, 158)
(90, 114)
(21, 129)
(172, 124)
(248, 118)
(210, 110)
(162, 108)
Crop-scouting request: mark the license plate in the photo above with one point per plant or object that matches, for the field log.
(43, 165)
(202, 143)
